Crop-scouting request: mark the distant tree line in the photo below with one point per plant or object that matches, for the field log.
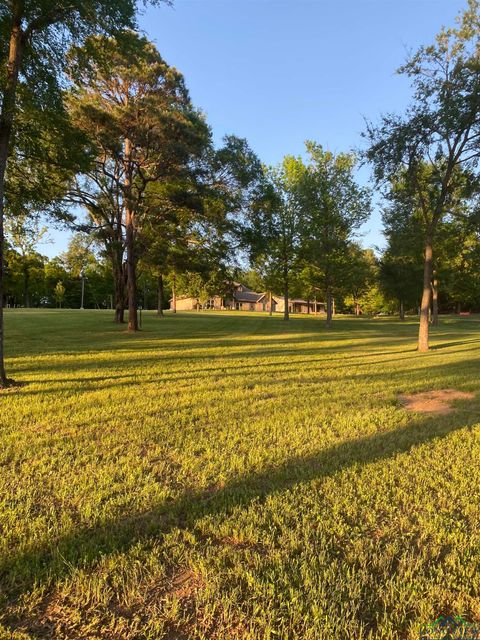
(366, 283)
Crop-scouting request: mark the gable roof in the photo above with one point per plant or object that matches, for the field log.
(247, 296)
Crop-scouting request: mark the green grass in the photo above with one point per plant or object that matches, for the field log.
(232, 476)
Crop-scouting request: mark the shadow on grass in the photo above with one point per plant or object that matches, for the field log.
(197, 335)
(456, 343)
(271, 373)
(82, 547)
(241, 351)
(82, 334)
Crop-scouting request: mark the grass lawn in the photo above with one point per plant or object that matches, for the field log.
(233, 476)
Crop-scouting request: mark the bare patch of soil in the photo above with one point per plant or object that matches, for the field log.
(435, 401)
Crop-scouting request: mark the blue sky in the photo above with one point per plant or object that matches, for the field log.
(278, 72)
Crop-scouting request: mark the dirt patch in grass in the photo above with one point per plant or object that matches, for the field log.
(185, 584)
(435, 401)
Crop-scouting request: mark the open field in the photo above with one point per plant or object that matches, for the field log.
(231, 476)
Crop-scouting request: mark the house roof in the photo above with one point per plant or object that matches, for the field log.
(299, 300)
(247, 296)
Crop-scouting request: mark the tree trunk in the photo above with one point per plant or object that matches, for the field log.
(131, 274)
(160, 295)
(15, 53)
(117, 250)
(401, 311)
(271, 303)
(357, 309)
(426, 296)
(458, 308)
(119, 285)
(174, 293)
(130, 241)
(434, 299)
(315, 311)
(286, 314)
(308, 307)
(119, 317)
(329, 309)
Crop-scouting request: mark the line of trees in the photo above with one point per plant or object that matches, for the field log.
(302, 225)
(366, 284)
(98, 132)
(33, 280)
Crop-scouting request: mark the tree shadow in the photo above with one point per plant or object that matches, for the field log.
(373, 369)
(185, 329)
(82, 547)
(456, 343)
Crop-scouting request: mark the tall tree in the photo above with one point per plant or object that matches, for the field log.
(332, 207)
(361, 275)
(272, 231)
(97, 190)
(401, 264)
(436, 144)
(193, 221)
(32, 52)
(458, 259)
(145, 130)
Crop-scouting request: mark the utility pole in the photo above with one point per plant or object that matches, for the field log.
(174, 293)
(315, 290)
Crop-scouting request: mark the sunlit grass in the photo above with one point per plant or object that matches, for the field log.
(234, 476)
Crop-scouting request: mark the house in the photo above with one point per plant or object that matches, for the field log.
(241, 298)
(297, 305)
(244, 299)
(186, 303)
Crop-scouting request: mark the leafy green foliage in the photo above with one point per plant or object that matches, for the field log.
(59, 293)
(272, 231)
(44, 148)
(332, 208)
